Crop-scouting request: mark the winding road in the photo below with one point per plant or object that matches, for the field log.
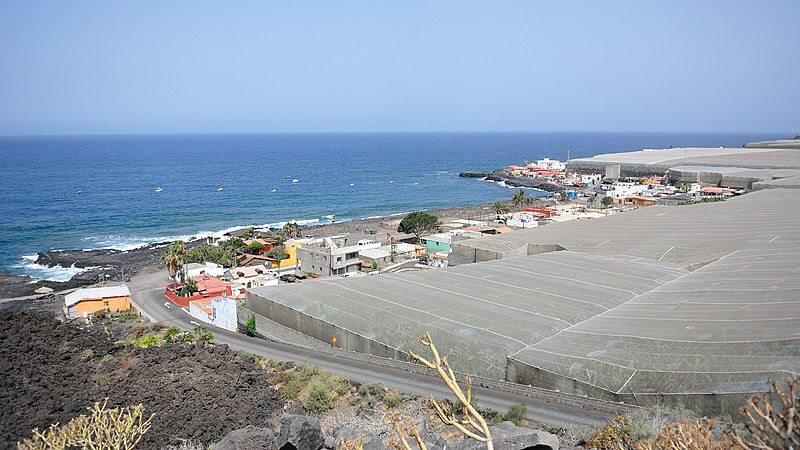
(147, 294)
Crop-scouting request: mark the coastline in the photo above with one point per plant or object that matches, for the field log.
(17, 292)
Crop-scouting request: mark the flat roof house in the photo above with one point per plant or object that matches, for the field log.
(90, 300)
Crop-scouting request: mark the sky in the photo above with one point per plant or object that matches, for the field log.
(100, 67)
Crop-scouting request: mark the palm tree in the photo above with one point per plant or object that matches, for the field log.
(174, 258)
(292, 230)
(500, 208)
(519, 198)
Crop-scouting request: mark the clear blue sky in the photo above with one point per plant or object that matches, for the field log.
(72, 67)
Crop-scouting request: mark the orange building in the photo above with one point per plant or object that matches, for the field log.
(90, 300)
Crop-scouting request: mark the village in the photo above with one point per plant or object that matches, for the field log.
(209, 280)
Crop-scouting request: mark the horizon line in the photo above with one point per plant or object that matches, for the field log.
(201, 133)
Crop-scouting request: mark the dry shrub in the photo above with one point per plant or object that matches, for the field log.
(688, 434)
(115, 428)
(771, 427)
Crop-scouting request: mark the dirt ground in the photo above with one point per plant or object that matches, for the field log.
(52, 371)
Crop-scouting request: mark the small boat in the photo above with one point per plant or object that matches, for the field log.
(295, 180)
(352, 184)
(416, 184)
(219, 189)
(391, 181)
(274, 190)
(78, 192)
(158, 189)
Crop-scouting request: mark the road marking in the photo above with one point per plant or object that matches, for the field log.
(167, 305)
(194, 323)
(776, 237)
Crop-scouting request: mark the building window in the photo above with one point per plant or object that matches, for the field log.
(105, 303)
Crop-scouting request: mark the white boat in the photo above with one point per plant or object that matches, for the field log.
(219, 189)
(158, 189)
(78, 192)
(274, 190)
(295, 180)
(352, 184)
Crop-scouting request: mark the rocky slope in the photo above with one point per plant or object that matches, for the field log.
(53, 371)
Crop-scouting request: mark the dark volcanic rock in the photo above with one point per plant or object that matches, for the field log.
(370, 442)
(507, 436)
(248, 438)
(110, 265)
(525, 182)
(300, 433)
(473, 174)
(53, 371)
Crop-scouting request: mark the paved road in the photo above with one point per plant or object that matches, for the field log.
(147, 292)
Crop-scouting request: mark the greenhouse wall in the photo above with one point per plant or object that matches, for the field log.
(702, 404)
(319, 329)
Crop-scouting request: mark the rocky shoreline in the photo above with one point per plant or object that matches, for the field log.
(500, 175)
(117, 266)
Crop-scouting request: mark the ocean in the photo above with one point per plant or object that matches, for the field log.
(90, 192)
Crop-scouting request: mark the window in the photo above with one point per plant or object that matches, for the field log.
(105, 303)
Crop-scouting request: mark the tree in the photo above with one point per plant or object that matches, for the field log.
(254, 248)
(564, 196)
(417, 223)
(173, 258)
(683, 186)
(249, 233)
(519, 198)
(592, 200)
(500, 208)
(292, 230)
(607, 201)
(276, 253)
(189, 288)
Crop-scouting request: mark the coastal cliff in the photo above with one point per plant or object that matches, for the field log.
(500, 175)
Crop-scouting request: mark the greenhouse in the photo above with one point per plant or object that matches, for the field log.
(691, 306)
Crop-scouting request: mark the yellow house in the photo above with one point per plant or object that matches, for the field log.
(90, 300)
(636, 200)
(290, 247)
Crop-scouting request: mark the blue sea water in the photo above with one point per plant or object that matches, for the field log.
(348, 175)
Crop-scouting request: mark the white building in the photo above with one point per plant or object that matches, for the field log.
(626, 189)
(220, 312)
(550, 164)
(252, 276)
(205, 268)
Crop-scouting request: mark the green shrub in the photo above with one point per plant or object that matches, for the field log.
(372, 390)
(88, 353)
(516, 413)
(393, 399)
(250, 326)
(107, 358)
(323, 392)
(151, 340)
